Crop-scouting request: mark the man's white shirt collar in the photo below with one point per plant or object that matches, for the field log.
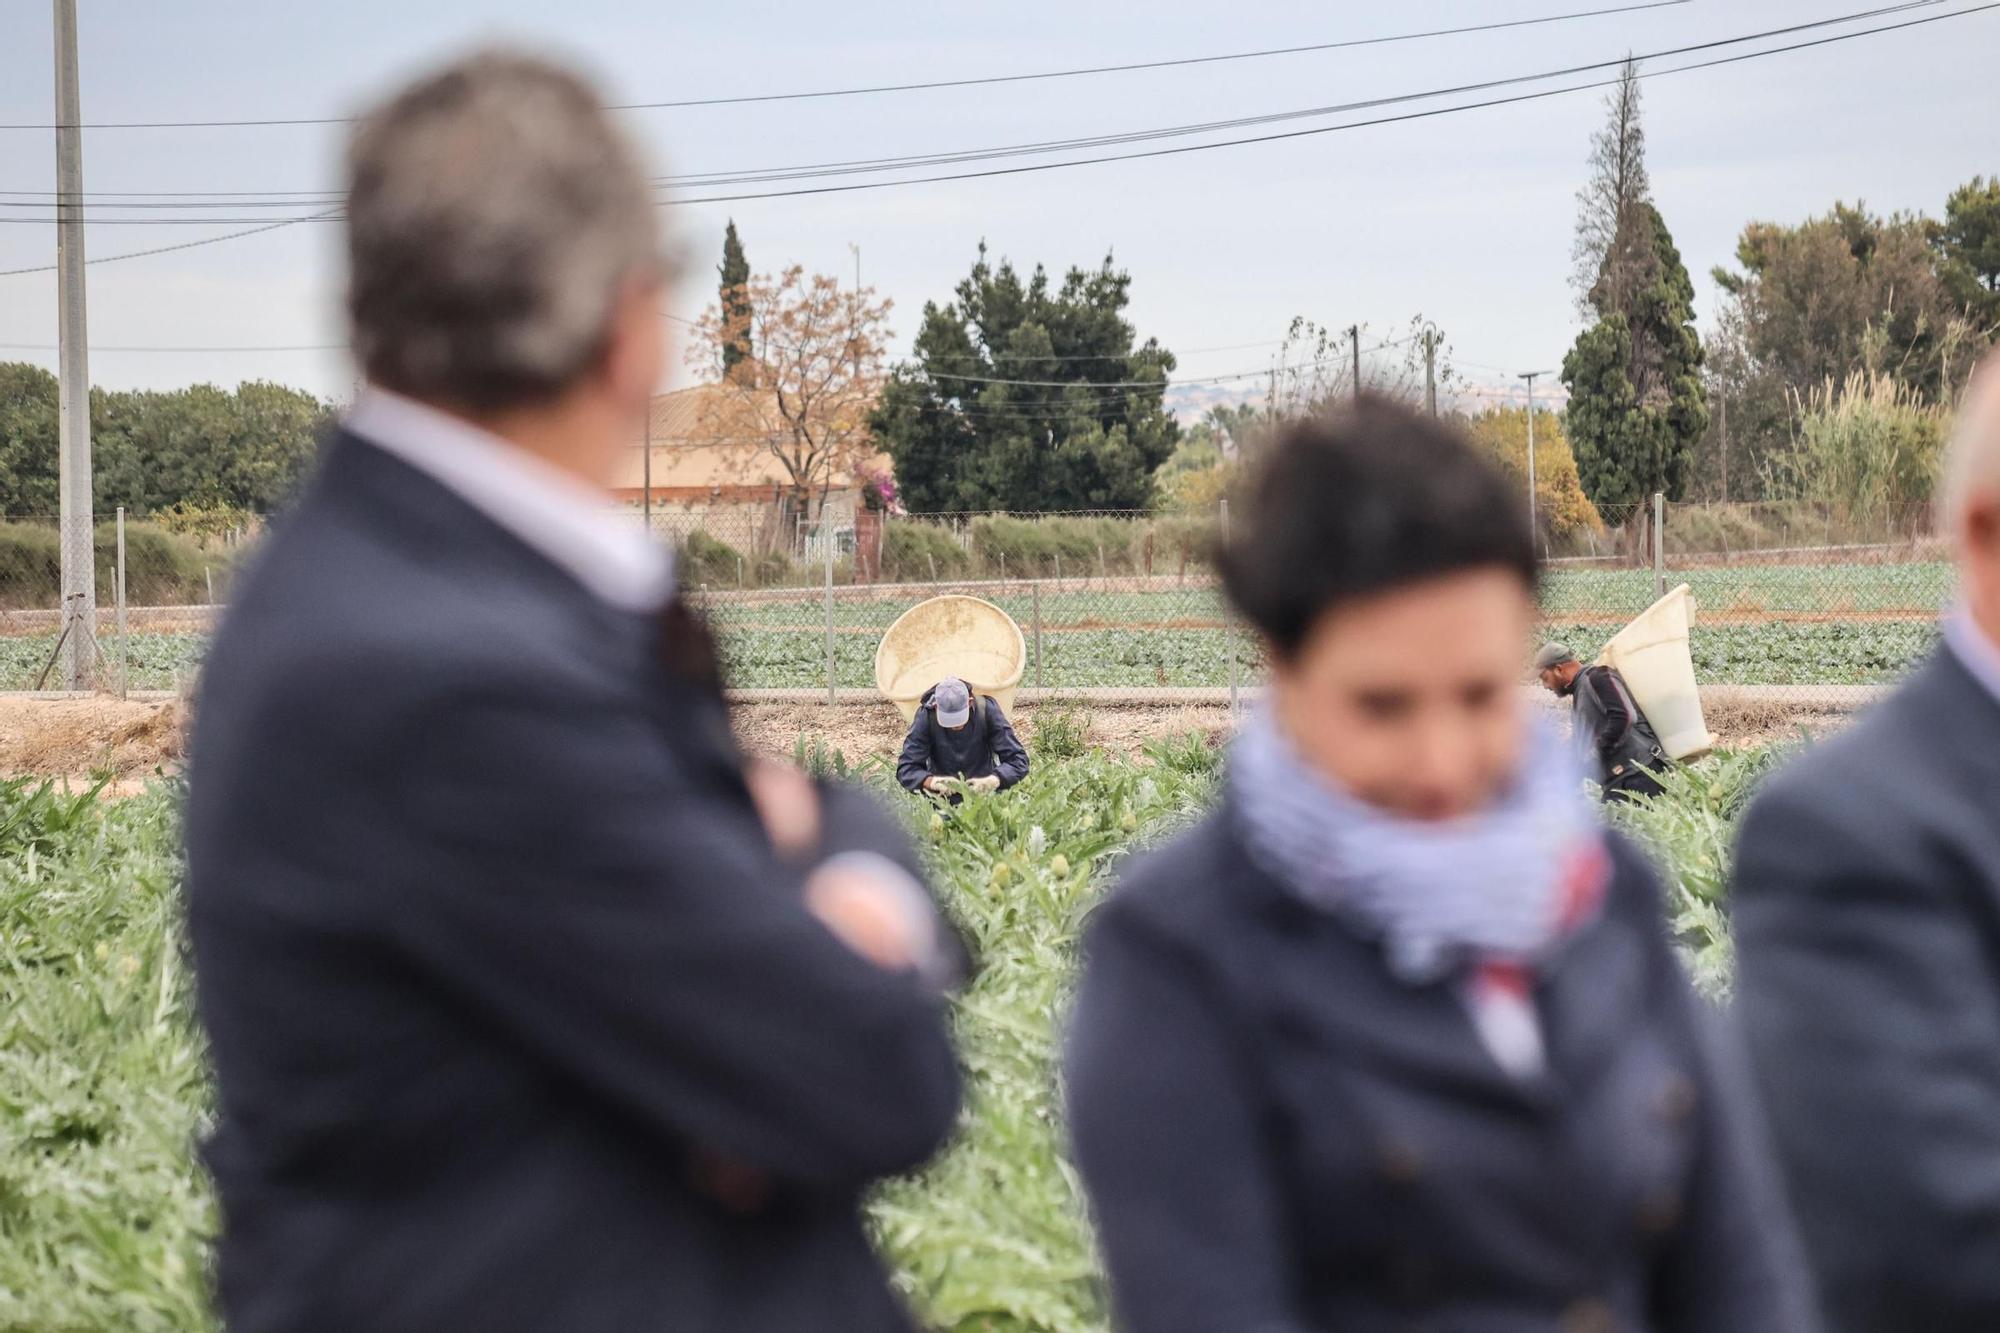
(565, 519)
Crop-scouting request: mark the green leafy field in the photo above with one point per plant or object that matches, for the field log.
(103, 1212)
(1867, 623)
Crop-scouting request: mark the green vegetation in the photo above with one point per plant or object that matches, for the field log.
(1069, 409)
(202, 447)
(161, 567)
(158, 661)
(1690, 829)
(104, 1214)
(1840, 625)
(1060, 733)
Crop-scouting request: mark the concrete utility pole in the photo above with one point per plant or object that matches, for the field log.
(1431, 371)
(79, 571)
(1354, 336)
(1531, 376)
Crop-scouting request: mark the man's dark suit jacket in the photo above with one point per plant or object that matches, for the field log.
(496, 960)
(1867, 908)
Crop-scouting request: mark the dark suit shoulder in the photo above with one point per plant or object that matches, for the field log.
(1843, 794)
(1179, 889)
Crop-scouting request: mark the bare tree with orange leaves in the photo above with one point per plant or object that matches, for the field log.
(808, 361)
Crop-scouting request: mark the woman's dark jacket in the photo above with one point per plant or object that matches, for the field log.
(1278, 1135)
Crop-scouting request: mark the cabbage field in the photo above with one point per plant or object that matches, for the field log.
(103, 1212)
(1783, 625)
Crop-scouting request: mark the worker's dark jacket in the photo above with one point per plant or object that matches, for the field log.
(1277, 1135)
(497, 963)
(985, 746)
(1867, 915)
(1613, 733)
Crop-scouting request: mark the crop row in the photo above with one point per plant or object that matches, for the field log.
(1802, 653)
(106, 1216)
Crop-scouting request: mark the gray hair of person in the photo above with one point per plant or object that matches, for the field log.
(495, 216)
(1972, 461)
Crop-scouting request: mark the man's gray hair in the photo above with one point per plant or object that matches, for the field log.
(494, 217)
(1972, 462)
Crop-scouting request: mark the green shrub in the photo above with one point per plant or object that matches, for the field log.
(30, 565)
(161, 569)
(711, 561)
(1690, 831)
(1190, 752)
(1060, 733)
(818, 759)
(1073, 545)
(1183, 542)
(771, 569)
(913, 552)
(199, 523)
(1867, 445)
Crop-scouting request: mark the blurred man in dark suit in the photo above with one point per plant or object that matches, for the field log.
(1867, 905)
(531, 1006)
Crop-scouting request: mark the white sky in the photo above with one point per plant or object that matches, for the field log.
(1464, 218)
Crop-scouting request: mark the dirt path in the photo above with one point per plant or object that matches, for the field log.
(127, 742)
(82, 738)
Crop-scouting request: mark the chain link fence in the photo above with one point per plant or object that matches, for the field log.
(1800, 605)
(171, 584)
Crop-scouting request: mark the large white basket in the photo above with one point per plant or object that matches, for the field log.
(1652, 655)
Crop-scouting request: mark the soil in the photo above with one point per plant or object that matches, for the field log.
(87, 739)
(859, 730)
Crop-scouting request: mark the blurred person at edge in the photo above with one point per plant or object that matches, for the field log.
(1866, 904)
(1395, 1038)
(532, 1007)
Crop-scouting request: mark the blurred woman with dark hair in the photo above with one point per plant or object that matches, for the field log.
(1395, 1038)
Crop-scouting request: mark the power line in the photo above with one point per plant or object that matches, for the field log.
(100, 347)
(1184, 148)
(1363, 124)
(983, 81)
(908, 162)
(160, 249)
(1176, 352)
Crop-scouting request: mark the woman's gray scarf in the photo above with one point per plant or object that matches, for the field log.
(1503, 886)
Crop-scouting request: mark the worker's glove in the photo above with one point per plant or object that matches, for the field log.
(937, 786)
(986, 784)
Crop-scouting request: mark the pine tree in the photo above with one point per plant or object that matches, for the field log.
(1637, 404)
(1604, 253)
(1028, 394)
(735, 302)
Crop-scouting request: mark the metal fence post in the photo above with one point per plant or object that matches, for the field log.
(1038, 634)
(1660, 543)
(1228, 623)
(118, 592)
(827, 542)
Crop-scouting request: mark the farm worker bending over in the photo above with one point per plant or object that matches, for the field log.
(951, 738)
(1609, 724)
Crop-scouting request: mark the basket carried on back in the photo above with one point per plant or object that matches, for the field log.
(1652, 655)
(953, 635)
